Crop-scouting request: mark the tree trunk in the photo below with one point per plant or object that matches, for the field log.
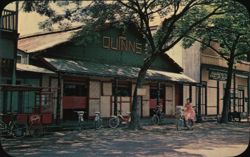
(135, 119)
(226, 100)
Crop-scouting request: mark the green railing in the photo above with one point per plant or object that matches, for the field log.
(8, 20)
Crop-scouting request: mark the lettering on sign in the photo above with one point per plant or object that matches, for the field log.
(217, 75)
(121, 43)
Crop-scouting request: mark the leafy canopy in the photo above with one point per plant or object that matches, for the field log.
(141, 13)
(230, 30)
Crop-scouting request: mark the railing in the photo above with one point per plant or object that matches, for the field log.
(8, 20)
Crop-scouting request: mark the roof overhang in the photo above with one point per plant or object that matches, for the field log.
(32, 68)
(118, 71)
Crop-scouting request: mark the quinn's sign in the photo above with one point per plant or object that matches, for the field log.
(121, 43)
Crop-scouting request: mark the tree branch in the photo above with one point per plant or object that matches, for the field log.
(191, 27)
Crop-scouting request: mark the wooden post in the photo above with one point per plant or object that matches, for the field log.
(206, 100)
(218, 98)
(199, 104)
(190, 93)
(58, 105)
(158, 94)
(243, 101)
(248, 93)
(115, 96)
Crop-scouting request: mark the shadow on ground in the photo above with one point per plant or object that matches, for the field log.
(151, 141)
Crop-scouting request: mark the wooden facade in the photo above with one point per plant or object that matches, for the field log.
(210, 70)
(101, 76)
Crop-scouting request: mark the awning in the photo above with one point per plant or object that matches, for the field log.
(32, 68)
(107, 70)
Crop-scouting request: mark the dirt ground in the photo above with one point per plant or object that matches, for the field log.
(207, 139)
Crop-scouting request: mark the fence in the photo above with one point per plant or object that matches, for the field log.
(8, 20)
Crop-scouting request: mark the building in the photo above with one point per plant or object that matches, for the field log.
(18, 79)
(100, 76)
(210, 70)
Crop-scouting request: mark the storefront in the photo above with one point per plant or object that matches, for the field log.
(101, 76)
(210, 71)
(214, 82)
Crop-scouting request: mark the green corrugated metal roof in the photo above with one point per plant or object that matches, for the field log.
(107, 70)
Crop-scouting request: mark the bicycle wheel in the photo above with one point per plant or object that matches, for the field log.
(179, 124)
(36, 130)
(189, 123)
(114, 122)
(2, 128)
(155, 120)
(98, 124)
(19, 130)
(82, 126)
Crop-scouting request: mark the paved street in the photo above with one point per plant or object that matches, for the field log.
(207, 139)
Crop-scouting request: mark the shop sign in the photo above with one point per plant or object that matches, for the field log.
(217, 75)
(141, 91)
(121, 43)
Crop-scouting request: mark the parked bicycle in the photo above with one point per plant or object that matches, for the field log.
(158, 116)
(98, 120)
(35, 126)
(80, 120)
(10, 127)
(115, 121)
(181, 123)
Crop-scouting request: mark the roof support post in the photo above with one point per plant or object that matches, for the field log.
(158, 94)
(115, 95)
(190, 93)
(218, 98)
(199, 119)
(248, 91)
(58, 105)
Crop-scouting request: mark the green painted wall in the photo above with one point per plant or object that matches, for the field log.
(6, 48)
(97, 53)
(27, 100)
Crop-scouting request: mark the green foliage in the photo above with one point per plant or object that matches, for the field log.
(120, 13)
(42, 7)
(230, 30)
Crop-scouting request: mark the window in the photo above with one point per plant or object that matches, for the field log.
(123, 89)
(19, 58)
(75, 90)
(154, 92)
(6, 66)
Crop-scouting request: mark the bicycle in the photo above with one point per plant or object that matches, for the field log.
(181, 123)
(80, 120)
(157, 117)
(115, 121)
(11, 128)
(35, 126)
(98, 120)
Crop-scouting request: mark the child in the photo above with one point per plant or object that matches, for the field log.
(189, 112)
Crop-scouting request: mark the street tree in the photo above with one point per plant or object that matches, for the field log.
(231, 32)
